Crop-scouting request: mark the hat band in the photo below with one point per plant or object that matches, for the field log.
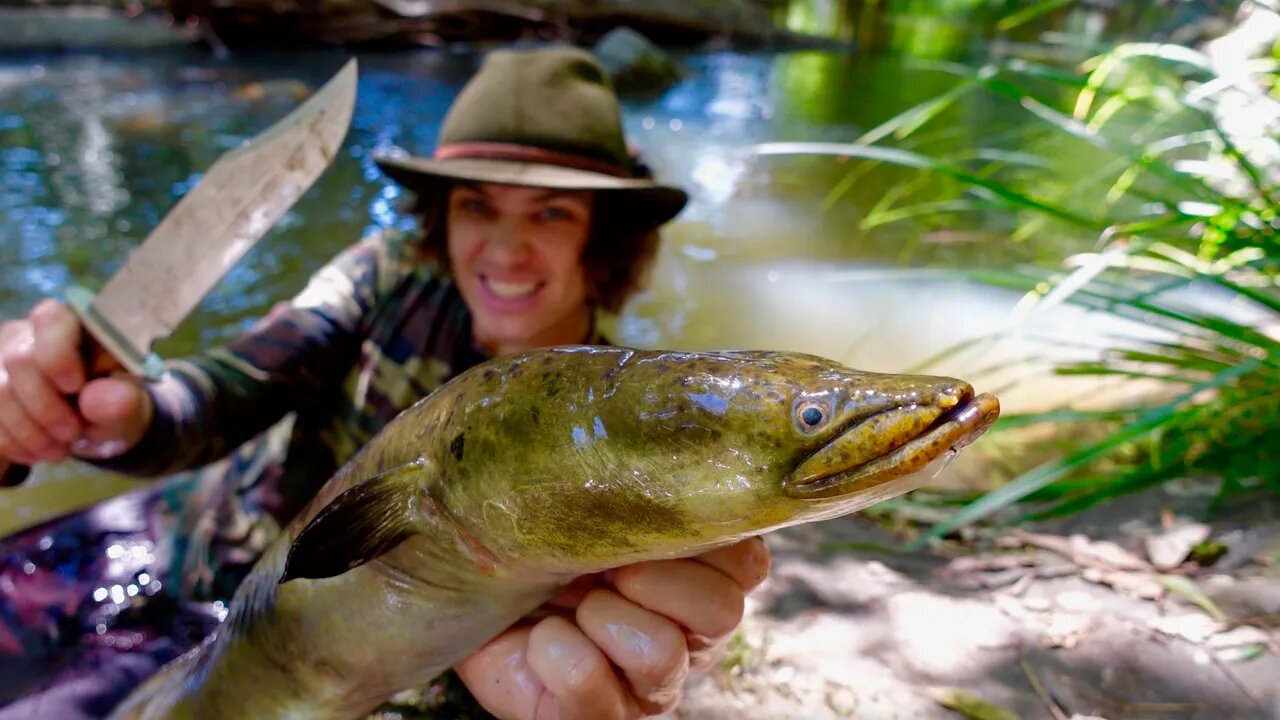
(524, 153)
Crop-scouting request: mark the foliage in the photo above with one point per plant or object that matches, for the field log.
(1176, 198)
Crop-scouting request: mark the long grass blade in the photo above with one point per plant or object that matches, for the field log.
(1040, 477)
(1029, 14)
(923, 162)
(913, 118)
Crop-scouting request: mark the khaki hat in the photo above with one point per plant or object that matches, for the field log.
(541, 118)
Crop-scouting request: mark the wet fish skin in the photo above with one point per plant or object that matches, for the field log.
(480, 502)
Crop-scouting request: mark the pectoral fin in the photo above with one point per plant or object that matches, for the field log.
(362, 523)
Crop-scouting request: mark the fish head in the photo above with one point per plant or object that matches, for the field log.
(797, 438)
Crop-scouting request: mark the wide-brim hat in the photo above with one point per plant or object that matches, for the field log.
(541, 118)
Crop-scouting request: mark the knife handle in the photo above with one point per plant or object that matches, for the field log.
(98, 349)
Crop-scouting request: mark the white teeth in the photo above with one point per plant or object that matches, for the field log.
(510, 291)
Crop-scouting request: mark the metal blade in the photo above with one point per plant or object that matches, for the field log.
(236, 201)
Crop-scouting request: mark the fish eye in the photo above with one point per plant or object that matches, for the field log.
(811, 414)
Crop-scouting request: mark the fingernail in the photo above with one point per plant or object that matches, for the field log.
(101, 450)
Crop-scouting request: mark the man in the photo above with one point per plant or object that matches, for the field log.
(533, 219)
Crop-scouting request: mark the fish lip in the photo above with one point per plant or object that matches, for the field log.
(949, 433)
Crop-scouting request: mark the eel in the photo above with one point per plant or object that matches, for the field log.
(480, 502)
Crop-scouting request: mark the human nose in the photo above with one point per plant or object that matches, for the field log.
(506, 242)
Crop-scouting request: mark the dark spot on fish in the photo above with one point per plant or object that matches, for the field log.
(490, 374)
(617, 517)
(455, 446)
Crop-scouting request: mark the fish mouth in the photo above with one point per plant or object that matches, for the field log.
(835, 472)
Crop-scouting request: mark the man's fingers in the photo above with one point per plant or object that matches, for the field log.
(118, 412)
(747, 562)
(113, 402)
(698, 596)
(9, 450)
(23, 436)
(648, 648)
(576, 672)
(499, 677)
(57, 345)
(44, 405)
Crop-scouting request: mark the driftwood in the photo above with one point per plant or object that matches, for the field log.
(392, 23)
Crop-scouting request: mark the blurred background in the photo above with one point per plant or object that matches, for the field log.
(1068, 202)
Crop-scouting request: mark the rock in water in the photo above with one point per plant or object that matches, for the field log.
(635, 63)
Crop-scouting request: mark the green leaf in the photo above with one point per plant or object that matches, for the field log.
(1185, 588)
(970, 706)
(1244, 653)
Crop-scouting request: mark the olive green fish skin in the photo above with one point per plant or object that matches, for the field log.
(530, 470)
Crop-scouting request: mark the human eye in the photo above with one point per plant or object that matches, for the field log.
(556, 213)
(472, 204)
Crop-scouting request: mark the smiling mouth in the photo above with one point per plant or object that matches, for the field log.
(510, 290)
(951, 431)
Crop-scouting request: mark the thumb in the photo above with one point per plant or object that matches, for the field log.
(118, 412)
(112, 401)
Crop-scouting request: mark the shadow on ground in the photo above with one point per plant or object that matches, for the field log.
(839, 634)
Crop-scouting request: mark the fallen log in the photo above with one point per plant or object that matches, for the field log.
(401, 23)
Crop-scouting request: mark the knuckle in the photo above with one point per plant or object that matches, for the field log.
(670, 658)
(51, 414)
(46, 310)
(584, 673)
(20, 357)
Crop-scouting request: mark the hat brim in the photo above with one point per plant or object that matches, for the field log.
(643, 200)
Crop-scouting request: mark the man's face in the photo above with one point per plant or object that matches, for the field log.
(516, 255)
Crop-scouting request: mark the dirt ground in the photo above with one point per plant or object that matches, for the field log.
(1093, 617)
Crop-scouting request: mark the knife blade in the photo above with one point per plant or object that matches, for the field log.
(236, 201)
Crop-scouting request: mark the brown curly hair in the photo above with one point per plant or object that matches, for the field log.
(617, 257)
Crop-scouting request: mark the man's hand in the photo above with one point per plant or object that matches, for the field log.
(625, 643)
(40, 366)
